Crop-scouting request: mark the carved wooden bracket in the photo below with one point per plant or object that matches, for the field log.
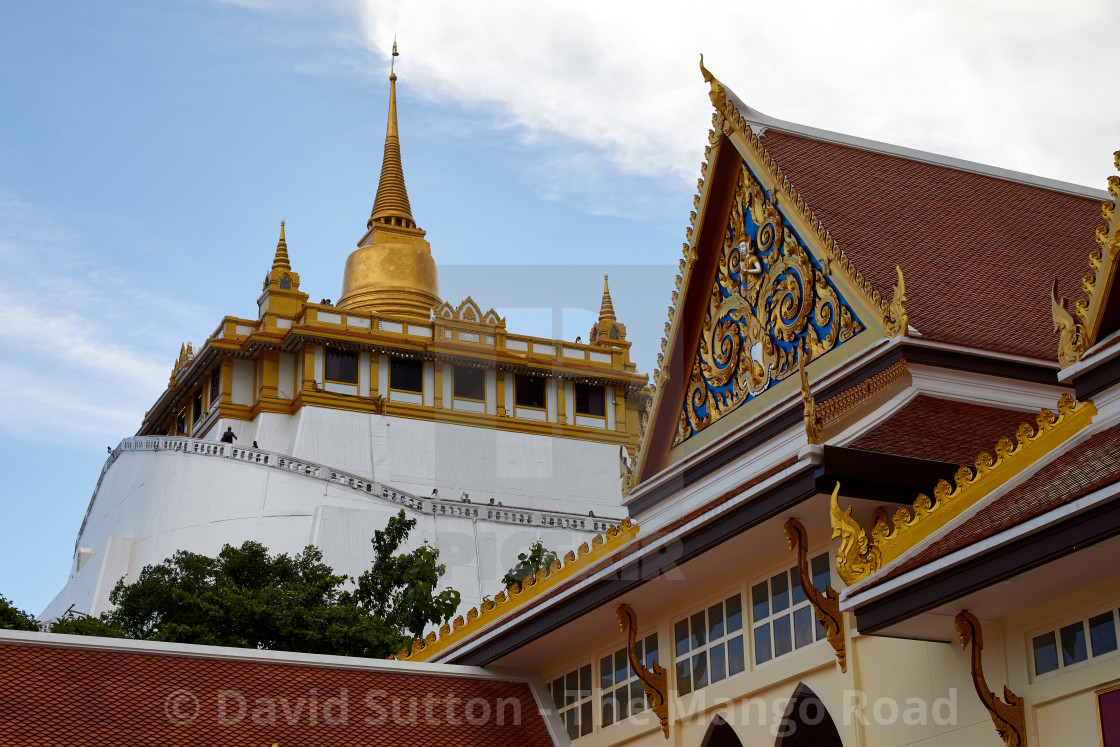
(655, 682)
(1009, 717)
(827, 605)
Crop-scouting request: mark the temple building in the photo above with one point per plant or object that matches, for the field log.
(873, 501)
(346, 413)
(874, 485)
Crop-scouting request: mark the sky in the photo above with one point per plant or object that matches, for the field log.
(148, 152)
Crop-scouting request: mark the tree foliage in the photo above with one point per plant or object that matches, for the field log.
(528, 564)
(248, 598)
(400, 588)
(13, 618)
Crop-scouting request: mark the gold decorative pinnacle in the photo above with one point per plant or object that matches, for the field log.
(606, 309)
(655, 681)
(718, 94)
(506, 601)
(860, 557)
(813, 429)
(391, 206)
(280, 261)
(895, 322)
(1008, 715)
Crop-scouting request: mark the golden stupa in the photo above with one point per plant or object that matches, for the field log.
(392, 271)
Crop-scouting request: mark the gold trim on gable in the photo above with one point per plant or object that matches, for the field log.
(531, 588)
(860, 557)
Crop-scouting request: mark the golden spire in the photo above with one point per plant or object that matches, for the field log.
(391, 206)
(280, 262)
(606, 310)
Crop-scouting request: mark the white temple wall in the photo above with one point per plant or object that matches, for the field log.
(152, 504)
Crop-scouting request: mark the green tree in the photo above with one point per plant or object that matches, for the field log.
(528, 564)
(13, 618)
(83, 625)
(400, 588)
(248, 598)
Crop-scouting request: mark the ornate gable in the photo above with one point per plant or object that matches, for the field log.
(772, 308)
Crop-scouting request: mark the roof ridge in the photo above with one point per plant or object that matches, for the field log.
(860, 558)
(763, 122)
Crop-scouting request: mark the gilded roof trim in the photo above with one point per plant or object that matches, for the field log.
(509, 600)
(1076, 338)
(860, 558)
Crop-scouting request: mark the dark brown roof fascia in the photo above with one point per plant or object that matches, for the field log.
(646, 567)
(983, 570)
(962, 360)
(880, 477)
(1098, 378)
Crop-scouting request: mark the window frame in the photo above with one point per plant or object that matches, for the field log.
(395, 360)
(517, 385)
(1058, 628)
(340, 354)
(580, 705)
(790, 611)
(632, 684)
(686, 660)
(480, 372)
(589, 388)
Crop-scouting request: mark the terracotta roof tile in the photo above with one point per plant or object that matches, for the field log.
(979, 254)
(1081, 470)
(69, 696)
(942, 429)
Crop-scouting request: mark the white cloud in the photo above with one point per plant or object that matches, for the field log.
(1016, 84)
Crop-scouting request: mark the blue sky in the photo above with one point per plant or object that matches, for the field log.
(149, 150)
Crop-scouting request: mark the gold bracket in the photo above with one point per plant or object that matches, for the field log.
(655, 683)
(1008, 714)
(826, 605)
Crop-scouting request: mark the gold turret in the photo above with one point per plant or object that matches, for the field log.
(280, 261)
(281, 295)
(608, 330)
(392, 271)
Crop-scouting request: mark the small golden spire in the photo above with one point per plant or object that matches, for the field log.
(280, 262)
(391, 205)
(606, 310)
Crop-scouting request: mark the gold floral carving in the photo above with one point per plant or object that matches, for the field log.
(826, 605)
(759, 325)
(860, 557)
(896, 322)
(813, 428)
(1008, 715)
(654, 681)
(490, 611)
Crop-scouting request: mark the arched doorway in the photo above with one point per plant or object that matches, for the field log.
(720, 734)
(807, 723)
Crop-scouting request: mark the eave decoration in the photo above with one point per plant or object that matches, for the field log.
(1008, 714)
(814, 430)
(1074, 337)
(772, 305)
(860, 557)
(654, 681)
(826, 605)
(490, 611)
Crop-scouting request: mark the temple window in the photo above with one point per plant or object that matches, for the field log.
(529, 391)
(572, 696)
(590, 400)
(782, 617)
(285, 282)
(196, 406)
(709, 645)
(469, 383)
(406, 374)
(621, 693)
(215, 386)
(1074, 643)
(342, 366)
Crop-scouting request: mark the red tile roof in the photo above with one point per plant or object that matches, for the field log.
(942, 429)
(82, 696)
(979, 253)
(1081, 470)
